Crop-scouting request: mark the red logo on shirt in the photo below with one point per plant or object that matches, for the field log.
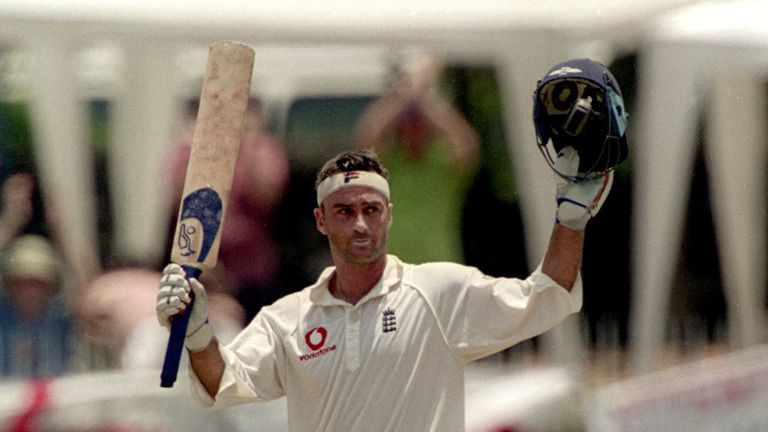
(315, 338)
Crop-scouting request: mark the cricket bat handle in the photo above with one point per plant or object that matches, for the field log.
(176, 340)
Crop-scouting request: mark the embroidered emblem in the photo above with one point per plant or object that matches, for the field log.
(388, 320)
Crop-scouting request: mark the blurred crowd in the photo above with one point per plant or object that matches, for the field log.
(52, 324)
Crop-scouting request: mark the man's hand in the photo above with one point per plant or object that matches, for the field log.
(578, 202)
(173, 298)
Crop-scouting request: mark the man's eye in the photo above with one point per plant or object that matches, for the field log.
(372, 209)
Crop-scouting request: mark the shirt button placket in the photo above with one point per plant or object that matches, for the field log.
(353, 339)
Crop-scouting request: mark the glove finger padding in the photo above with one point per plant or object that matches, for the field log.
(173, 295)
(578, 202)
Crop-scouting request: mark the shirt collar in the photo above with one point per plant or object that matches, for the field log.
(321, 295)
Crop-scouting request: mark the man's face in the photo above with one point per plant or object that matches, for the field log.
(356, 220)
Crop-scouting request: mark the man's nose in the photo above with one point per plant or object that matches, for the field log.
(361, 225)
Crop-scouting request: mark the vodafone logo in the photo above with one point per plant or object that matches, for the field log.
(315, 338)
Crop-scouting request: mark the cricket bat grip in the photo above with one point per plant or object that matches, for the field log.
(178, 333)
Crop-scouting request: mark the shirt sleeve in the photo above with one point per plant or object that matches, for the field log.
(253, 371)
(481, 315)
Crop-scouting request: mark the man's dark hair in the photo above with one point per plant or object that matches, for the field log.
(352, 160)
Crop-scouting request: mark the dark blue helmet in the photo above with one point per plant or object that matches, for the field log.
(579, 104)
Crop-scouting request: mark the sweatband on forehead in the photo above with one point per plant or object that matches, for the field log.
(352, 178)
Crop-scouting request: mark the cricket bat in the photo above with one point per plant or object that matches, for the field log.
(208, 182)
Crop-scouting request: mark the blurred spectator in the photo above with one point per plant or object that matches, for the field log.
(118, 323)
(16, 212)
(248, 248)
(431, 152)
(110, 308)
(35, 324)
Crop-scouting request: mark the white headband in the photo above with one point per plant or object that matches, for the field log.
(352, 178)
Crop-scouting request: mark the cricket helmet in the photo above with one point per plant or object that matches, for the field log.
(579, 104)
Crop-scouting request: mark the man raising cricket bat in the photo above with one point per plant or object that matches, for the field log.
(377, 344)
(208, 180)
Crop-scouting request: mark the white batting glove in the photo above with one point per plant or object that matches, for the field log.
(578, 202)
(173, 297)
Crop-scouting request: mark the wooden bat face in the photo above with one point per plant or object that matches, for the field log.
(215, 145)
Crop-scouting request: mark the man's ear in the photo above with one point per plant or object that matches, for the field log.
(391, 213)
(319, 222)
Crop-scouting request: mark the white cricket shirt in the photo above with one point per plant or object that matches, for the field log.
(393, 362)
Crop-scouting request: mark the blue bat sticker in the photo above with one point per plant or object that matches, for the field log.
(205, 206)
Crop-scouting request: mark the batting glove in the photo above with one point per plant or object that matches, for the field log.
(578, 201)
(174, 297)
